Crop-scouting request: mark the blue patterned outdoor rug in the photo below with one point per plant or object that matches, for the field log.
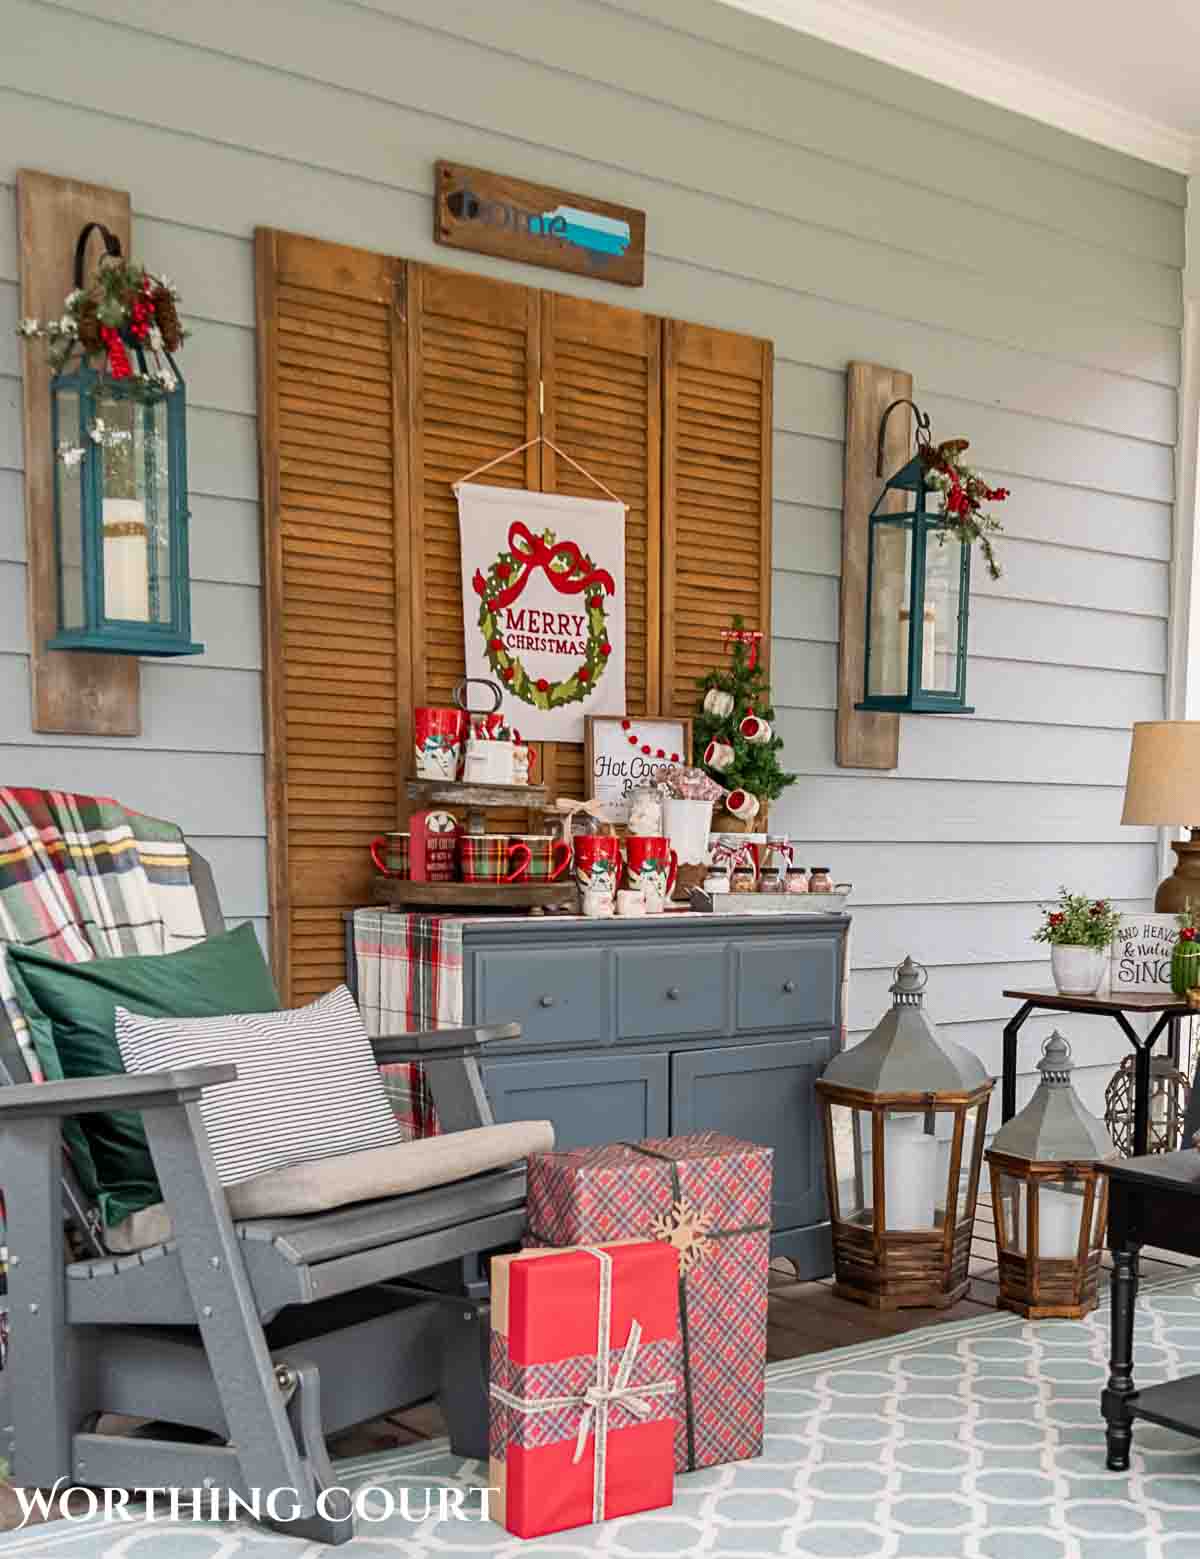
(979, 1439)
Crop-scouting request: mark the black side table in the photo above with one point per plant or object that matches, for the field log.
(1151, 1201)
(1169, 1007)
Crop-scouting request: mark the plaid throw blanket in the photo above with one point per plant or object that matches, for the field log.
(81, 877)
(409, 973)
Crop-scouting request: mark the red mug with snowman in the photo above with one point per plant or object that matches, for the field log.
(650, 861)
(438, 736)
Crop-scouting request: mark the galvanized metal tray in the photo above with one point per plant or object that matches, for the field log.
(770, 903)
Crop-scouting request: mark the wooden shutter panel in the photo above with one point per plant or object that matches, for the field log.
(473, 394)
(716, 499)
(603, 399)
(331, 369)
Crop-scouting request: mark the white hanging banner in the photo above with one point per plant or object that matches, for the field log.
(543, 581)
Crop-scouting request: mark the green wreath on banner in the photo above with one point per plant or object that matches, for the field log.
(571, 573)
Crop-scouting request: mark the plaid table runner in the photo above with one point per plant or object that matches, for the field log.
(409, 974)
(82, 877)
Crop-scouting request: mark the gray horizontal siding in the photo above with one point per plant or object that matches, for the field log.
(1028, 280)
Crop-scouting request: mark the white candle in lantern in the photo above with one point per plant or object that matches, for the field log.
(928, 643)
(126, 560)
(910, 1180)
(1058, 1223)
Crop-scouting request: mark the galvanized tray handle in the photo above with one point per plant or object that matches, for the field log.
(460, 695)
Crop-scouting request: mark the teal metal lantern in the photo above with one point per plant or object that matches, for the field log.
(121, 501)
(918, 595)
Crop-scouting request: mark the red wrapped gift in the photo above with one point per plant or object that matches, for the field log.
(584, 1384)
(709, 1196)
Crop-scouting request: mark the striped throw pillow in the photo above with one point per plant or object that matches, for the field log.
(307, 1084)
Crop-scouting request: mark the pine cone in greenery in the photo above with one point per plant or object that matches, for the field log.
(166, 316)
(89, 328)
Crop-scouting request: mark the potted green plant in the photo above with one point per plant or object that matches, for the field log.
(1079, 930)
(1185, 955)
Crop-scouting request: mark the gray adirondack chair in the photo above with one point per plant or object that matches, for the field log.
(245, 1343)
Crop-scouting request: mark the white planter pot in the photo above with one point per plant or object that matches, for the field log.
(1077, 971)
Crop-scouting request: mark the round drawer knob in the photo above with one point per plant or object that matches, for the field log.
(545, 1001)
(789, 986)
(672, 993)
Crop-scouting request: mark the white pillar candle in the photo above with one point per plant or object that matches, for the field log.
(928, 644)
(126, 560)
(1058, 1223)
(910, 1173)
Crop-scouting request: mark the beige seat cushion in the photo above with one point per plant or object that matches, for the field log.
(321, 1184)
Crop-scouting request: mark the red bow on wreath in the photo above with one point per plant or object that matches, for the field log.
(534, 552)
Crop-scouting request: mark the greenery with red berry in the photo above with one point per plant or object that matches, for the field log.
(963, 493)
(507, 665)
(127, 319)
(1077, 920)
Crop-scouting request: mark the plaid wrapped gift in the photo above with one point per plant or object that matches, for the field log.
(709, 1196)
(409, 976)
(584, 1384)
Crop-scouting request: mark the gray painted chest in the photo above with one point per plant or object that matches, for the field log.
(649, 1028)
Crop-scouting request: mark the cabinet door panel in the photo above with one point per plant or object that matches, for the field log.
(590, 1099)
(762, 1093)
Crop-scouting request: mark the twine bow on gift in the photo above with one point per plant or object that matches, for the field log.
(598, 1398)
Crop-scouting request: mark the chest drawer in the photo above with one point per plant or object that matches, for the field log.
(558, 998)
(672, 989)
(787, 984)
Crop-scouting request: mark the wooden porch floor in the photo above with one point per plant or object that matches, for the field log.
(803, 1318)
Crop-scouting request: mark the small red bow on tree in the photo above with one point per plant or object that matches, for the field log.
(750, 636)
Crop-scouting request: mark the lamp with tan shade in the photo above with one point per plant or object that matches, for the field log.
(1162, 789)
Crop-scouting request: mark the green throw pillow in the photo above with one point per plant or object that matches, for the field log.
(70, 1010)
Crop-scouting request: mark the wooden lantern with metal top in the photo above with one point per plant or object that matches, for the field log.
(904, 1118)
(1049, 1196)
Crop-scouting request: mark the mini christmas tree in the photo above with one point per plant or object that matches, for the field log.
(729, 696)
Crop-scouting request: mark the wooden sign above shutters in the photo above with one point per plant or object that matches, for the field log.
(490, 213)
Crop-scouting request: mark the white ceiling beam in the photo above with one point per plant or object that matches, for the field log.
(983, 75)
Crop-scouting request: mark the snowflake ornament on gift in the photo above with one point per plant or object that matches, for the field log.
(686, 1228)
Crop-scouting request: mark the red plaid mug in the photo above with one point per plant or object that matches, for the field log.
(390, 852)
(548, 857)
(492, 858)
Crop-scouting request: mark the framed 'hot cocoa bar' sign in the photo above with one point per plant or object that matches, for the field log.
(621, 754)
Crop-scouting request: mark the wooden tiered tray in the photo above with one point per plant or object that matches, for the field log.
(400, 893)
(478, 800)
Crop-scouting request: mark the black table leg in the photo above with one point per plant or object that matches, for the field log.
(1008, 1084)
(1114, 1403)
